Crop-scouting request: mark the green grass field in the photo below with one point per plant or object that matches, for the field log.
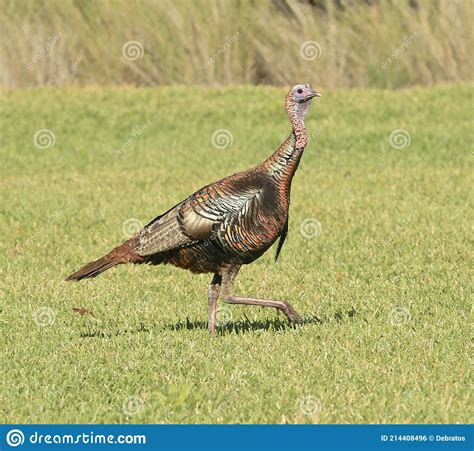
(376, 260)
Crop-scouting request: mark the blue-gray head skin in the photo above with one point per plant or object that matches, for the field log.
(297, 105)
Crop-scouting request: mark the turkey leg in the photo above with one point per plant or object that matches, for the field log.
(213, 295)
(228, 277)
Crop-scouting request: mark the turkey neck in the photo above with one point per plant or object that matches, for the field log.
(282, 165)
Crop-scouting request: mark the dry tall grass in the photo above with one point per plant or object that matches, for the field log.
(384, 43)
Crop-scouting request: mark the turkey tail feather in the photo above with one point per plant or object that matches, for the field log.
(94, 268)
(121, 254)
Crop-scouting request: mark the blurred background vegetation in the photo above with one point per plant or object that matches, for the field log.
(335, 43)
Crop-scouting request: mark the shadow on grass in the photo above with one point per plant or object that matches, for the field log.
(103, 333)
(238, 326)
(250, 326)
(243, 326)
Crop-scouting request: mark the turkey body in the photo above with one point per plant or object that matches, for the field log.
(232, 221)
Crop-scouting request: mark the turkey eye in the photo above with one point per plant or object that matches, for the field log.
(300, 91)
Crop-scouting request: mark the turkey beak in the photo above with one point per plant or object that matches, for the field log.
(312, 92)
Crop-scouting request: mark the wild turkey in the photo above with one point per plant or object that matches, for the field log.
(224, 225)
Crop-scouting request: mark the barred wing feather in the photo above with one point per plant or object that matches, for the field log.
(215, 212)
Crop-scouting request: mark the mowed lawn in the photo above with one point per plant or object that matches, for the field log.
(376, 260)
